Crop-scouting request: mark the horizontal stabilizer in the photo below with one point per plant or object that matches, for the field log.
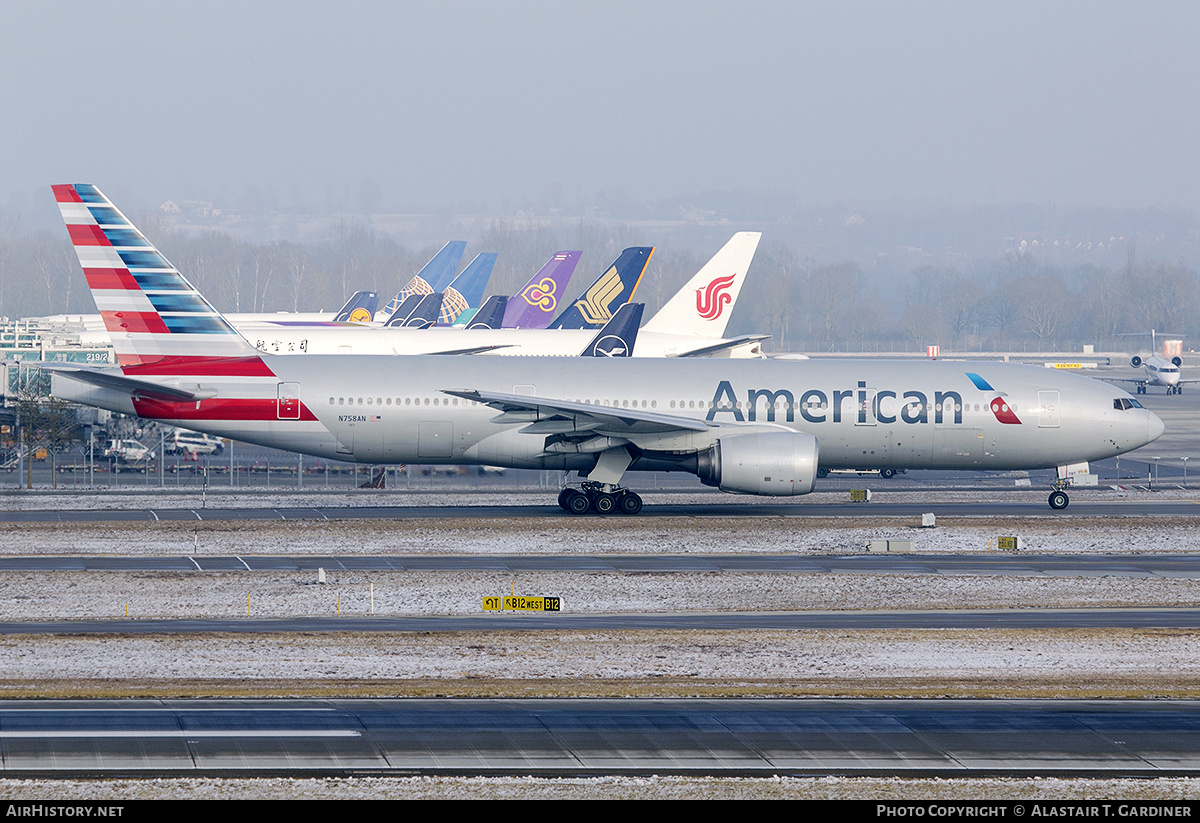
(724, 345)
(113, 379)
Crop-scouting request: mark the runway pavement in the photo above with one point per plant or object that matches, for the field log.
(600, 737)
(1023, 618)
(1083, 504)
(1036, 565)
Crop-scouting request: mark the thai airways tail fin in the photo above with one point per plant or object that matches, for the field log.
(433, 276)
(619, 334)
(533, 307)
(159, 323)
(360, 308)
(703, 306)
(616, 286)
(467, 288)
(490, 314)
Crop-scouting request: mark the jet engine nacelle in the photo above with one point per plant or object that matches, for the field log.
(1177, 360)
(779, 464)
(1135, 361)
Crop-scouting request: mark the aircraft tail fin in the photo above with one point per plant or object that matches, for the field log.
(159, 323)
(433, 276)
(359, 308)
(616, 286)
(703, 306)
(619, 334)
(533, 307)
(426, 313)
(490, 314)
(467, 288)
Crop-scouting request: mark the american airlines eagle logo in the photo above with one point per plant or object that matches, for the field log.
(712, 299)
(999, 406)
(596, 303)
(541, 294)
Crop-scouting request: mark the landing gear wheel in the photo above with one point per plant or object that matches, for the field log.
(822, 472)
(1059, 500)
(562, 498)
(887, 474)
(630, 503)
(577, 502)
(604, 503)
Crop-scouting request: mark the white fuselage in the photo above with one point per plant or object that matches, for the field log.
(901, 414)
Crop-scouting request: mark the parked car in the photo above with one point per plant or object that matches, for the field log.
(193, 443)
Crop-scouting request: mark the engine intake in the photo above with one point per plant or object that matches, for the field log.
(779, 464)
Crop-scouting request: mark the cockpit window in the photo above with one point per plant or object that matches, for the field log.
(1123, 403)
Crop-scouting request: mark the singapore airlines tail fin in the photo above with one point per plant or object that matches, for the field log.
(433, 276)
(158, 322)
(467, 289)
(703, 306)
(360, 308)
(616, 286)
(535, 305)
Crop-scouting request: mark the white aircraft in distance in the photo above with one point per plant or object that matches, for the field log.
(760, 427)
(1157, 370)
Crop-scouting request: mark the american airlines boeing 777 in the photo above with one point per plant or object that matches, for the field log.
(746, 426)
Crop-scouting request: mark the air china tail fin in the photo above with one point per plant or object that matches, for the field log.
(703, 306)
(535, 305)
(490, 313)
(158, 322)
(433, 276)
(616, 286)
(467, 288)
(360, 308)
(619, 334)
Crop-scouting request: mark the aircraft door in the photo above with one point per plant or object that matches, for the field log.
(1048, 409)
(288, 403)
(865, 410)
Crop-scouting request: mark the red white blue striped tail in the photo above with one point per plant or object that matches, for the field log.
(158, 322)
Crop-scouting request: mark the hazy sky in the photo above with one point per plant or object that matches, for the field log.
(449, 103)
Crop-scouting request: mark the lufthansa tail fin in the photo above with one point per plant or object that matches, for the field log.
(360, 308)
(535, 305)
(619, 334)
(703, 306)
(433, 276)
(490, 314)
(616, 286)
(158, 322)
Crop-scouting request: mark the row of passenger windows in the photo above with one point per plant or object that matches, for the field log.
(643, 404)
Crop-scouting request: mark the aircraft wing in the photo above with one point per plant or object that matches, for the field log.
(1123, 379)
(560, 416)
(113, 379)
(731, 343)
(474, 349)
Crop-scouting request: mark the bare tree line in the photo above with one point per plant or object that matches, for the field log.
(805, 304)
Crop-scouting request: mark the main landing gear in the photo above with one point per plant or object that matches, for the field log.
(601, 498)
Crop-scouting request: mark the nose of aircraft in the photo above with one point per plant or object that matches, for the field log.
(1155, 427)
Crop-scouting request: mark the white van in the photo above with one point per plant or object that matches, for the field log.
(127, 451)
(193, 443)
